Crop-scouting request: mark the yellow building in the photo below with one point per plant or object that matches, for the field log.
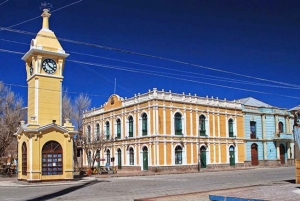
(45, 145)
(163, 131)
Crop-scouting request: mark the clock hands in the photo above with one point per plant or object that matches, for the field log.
(49, 66)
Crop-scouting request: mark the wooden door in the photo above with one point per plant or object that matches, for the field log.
(119, 159)
(282, 154)
(254, 155)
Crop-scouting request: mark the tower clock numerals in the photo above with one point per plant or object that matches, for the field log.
(49, 66)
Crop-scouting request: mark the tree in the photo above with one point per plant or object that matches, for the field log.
(74, 112)
(81, 104)
(67, 108)
(11, 113)
(93, 144)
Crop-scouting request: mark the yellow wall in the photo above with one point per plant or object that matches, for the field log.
(161, 153)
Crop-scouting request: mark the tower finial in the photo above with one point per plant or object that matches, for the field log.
(46, 16)
(46, 8)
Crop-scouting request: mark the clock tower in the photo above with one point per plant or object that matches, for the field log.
(44, 66)
(45, 143)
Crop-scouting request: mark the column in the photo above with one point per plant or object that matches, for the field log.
(165, 153)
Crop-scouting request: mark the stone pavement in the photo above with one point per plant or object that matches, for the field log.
(283, 190)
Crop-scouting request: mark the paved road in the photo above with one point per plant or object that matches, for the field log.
(197, 185)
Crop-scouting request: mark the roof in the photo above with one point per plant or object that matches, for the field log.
(253, 102)
(295, 108)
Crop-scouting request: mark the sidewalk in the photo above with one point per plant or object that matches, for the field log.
(284, 190)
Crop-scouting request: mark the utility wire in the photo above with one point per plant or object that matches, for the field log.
(136, 71)
(203, 76)
(40, 16)
(166, 76)
(4, 2)
(147, 55)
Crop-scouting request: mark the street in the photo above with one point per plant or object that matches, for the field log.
(137, 187)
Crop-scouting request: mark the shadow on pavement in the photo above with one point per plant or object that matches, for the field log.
(292, 181)
(63, 192)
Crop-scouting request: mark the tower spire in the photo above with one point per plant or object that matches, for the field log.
(46, 16)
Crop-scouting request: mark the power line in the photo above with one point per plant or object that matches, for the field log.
(3, 2)
(216, 78)
(66, 91)
(147, 55)
(40, 16)
(166, 76)
(136, 71)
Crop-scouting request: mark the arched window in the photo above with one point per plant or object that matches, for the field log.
(108, 156)
(178, 155)
(202, 130)
(178, 124)
(98, 132)
(280, 127)
(118, 128)
(252, 129)
(89, 135)
(24, 159)
(131, 156)
(107, 130)
(230, 127)
(144, 124)
(52, 159)
(130, 121)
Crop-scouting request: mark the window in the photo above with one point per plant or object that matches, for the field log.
(144, 124)
(280, 127)
(108, 156)
(118, 128)
(89, 158)
(130, 126)
(230, 127)
(252, 129)
(202, 130)
(178, 124)
(131, 156)
(178, 155)
(24, 159)
(52, 159)
(89, 134)
(107, 130)
(98, 132)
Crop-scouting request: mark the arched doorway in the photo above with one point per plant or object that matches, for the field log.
(254, 154)
(145, 158)
(108, 156)
(119, 159)
(282, 154)
(52, 158)
(203, 157)
(231, 156)
(24, 159)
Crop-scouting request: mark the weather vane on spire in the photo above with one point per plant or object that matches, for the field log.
(46, 5)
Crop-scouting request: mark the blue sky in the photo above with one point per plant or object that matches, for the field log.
(257, 39)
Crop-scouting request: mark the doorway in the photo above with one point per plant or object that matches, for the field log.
(203, 157)
(145, 158)
(119, 159)
(282, 154)
(231, 156)
(254, 155)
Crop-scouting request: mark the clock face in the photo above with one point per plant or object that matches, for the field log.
(30, 69)
(49, 66)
